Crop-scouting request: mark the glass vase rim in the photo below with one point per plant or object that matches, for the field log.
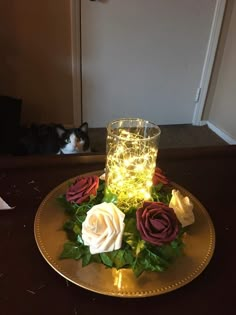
(109, 132)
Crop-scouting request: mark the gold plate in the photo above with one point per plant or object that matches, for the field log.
(50, 238)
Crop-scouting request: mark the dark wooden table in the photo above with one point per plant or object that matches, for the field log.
(28, 285)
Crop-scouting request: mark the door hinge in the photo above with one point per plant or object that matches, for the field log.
(198, 94)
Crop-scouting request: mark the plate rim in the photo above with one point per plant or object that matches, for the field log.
(54, 261)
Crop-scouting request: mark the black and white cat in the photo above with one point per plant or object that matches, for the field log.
(54, 139)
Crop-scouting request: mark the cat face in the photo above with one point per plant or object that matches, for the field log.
(75, 140)
(73, 145)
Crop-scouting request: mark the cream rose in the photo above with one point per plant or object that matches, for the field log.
(103, 176)
(183, 208)
(103, 228)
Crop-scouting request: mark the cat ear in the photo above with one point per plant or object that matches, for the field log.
(84, 127)
(60, 130)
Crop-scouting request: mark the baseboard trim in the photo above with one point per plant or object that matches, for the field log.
(202, 122)
(222, 134)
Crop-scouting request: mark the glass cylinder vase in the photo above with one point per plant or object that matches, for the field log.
(132, 147)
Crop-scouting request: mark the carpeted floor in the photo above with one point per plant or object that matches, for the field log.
(172, 136)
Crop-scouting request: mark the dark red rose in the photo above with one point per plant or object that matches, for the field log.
(83, 187)
(157, 223)
(159, 177)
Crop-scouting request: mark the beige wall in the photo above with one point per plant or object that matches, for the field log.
(220, 109)
(35, 58)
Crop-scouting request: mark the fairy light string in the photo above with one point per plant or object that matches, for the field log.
(131, 161)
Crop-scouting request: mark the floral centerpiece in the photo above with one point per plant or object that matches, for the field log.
(144, 238)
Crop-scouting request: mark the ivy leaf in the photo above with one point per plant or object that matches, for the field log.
(69, 228)
(119, 259)
(131, 235)
(101, 186)
(80, 218)
(128, 258)
(79, 239)
(155, 262)
(161, 194)
(70, 208)
(137, 268)
(71, 250)
(149, 261)
(86, 258)
(68, 225)
(109, 196)
(106, 259)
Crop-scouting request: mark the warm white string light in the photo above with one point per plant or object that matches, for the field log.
(131, 162)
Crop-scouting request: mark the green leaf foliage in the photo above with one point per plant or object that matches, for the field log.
(135, 253)
(161, 193)
(109, 196)
(72, 250)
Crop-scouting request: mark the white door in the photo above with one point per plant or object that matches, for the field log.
(143, 58)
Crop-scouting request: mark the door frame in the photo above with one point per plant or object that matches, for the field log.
(75, 13)
(212, 45)
(201, 93)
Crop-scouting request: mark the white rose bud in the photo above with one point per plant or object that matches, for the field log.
(103, 176)
(183, 208)
(103, 228)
